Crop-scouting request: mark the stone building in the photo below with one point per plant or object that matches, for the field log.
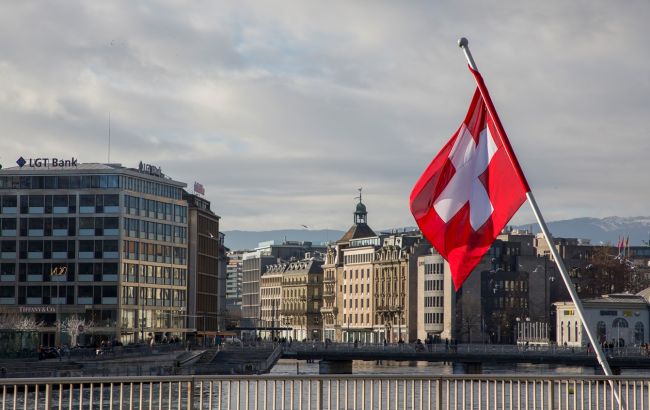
(619, 319)
(271, 299)
(395, 286)
(329, 309)
(302, 296)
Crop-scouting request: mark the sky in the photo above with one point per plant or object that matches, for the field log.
(283, 109)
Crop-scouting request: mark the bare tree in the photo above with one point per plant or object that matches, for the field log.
(608, 274)
(74, 326)
(14, 321)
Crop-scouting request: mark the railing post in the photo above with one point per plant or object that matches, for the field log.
(190, 393)
(319, 394)
(438, 396)
(48, 396)
(551, 394)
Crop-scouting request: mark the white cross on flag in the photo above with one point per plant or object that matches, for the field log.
(470, 190)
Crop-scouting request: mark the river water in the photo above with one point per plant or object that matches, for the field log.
(292, 367)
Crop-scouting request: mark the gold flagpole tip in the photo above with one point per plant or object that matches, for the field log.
(462, 42)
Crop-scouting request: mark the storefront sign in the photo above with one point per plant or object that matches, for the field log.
(47, 162)
(37, 309)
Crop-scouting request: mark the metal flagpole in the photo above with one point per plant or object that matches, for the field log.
(463, 43)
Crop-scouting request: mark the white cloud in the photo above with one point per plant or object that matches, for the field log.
(283, 109)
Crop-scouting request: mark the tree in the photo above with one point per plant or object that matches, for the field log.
(19, 322)
(607, 274)
(74, 326)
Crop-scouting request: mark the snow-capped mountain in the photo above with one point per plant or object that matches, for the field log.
(604, 230)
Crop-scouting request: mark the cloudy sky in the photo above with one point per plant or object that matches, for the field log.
(283, 109)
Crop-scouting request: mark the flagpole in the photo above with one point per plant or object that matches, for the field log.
(463, 44)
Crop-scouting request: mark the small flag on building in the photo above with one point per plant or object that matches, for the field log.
(198, 188)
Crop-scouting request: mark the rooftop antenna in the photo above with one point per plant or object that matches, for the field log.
(109, 137)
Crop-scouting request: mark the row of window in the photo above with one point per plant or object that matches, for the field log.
(359, 258)
(356, 274)
(159, 275)
(146, 296)
(135, 228)
(358, 318)
(155, 209)
(58, 295)
(151, 252)
(431, 285)
(91, 182)
(509, 302)
(60, 182)
(358, 303)
(88, 226)
(357, 288)
(62, 272)
(433, 301)
(434, 318)
(60, 204)
(47, 249)
(434, 268)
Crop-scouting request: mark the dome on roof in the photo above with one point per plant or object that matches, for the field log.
(361, 208)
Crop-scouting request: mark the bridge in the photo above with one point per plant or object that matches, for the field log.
(320, 392)
(338, 357)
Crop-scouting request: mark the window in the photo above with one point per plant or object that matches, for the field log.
(619, 322)
(601, 331)
(639, 334)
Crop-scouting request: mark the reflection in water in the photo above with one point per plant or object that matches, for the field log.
(289, 366)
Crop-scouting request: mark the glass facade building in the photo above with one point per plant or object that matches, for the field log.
(102, 242)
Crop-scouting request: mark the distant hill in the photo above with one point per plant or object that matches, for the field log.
(597, 229)
(601, 229)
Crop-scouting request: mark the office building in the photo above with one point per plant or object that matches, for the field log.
(254, 264)
(102, 242)
(207, 271)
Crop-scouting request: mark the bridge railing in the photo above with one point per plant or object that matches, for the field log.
(463, 348)
(328, 392)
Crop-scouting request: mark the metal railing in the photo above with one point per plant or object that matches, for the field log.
(327, 392)
(553, 350)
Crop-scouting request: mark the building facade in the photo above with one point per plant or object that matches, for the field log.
(271, 300)
(100, 242)
(206, 271)
(302, 297)
(329, 310)
(434, 290)
(395, 286)
(619, 320)
(254, 264)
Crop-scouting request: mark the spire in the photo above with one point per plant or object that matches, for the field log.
(360, 214)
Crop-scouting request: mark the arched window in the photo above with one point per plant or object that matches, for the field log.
(568, 331)
(576, 329)
(639, 333)
(619, 322)
(601, 331)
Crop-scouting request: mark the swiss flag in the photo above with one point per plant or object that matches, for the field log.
(470, 190)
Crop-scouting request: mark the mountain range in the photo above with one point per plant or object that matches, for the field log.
(605, 230)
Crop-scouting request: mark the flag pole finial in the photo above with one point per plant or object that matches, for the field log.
(464, 44)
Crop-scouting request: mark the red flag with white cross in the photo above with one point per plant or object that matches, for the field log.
(470, 190)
